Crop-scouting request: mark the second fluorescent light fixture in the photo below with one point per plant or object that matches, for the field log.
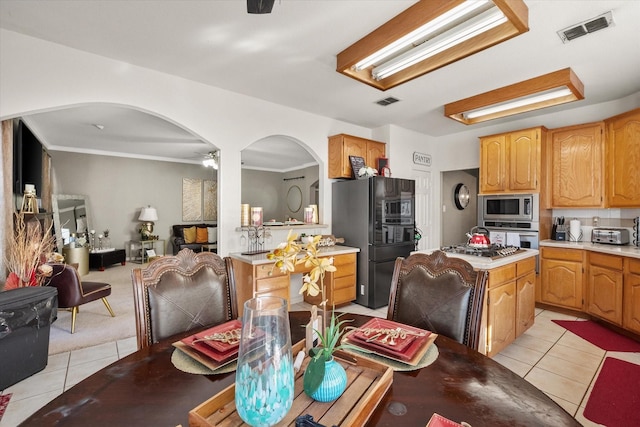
(539, 92)
(429, 35)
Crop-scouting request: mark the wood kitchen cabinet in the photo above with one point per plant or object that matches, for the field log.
(263, 278)
(511, 162)
(510, 304)
(562, 277)
(631, 302)
(576, 166)
(259, 280)
(342, 146)
(340, 285)
(623, 159)
(605, 280)
(525, 295)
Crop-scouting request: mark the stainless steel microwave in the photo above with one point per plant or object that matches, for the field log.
(509, 207)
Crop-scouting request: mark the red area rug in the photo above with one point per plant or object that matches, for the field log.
(4, 401)
(615, 398)
(599, 335)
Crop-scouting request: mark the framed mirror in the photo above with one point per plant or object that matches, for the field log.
(294, 198)
(71, 214)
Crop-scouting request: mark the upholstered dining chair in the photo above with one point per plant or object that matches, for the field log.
(438, 293)
(73, 292)
(179, 293)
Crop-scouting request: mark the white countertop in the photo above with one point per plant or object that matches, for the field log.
(486, 263)
(624, 250)
(322, 251)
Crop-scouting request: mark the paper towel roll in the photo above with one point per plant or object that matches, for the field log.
(575, 232)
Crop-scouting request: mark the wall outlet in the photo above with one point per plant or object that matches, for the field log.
(361, 289)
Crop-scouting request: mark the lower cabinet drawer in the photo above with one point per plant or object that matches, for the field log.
(341, 296)
(272, 283)
(345, 282)
(634, 265)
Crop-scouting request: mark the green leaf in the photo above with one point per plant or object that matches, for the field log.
(314, 375)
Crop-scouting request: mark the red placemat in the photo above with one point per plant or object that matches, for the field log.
(220, 346)
(407, 355)
(205, 350)
(369, 334)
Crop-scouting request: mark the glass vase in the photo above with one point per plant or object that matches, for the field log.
(264, 376)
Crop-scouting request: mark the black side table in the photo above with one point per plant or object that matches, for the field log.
(101, 259)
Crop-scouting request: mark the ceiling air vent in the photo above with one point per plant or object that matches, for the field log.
(386, 101)
(590, 26)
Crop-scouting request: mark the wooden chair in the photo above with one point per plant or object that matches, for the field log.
(73, 292)
(179, 293)
(440, 294)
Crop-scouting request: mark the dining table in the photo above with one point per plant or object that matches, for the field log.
(461, 384)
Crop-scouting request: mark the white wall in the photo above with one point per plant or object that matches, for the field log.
(36, 76)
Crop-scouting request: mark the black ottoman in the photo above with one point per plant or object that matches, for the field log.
(101, 259)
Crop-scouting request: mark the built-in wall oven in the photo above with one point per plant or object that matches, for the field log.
(514, 217)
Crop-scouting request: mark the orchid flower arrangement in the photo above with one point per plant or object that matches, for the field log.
(286, 258)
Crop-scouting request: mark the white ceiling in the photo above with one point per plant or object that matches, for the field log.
(294, 48)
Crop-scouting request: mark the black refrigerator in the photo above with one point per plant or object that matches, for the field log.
(376, 215)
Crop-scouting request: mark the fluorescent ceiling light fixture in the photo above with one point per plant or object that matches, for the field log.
(429, 35)
(421, 33)
(539, 92)
(488, 20)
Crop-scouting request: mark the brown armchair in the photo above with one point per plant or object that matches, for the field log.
(72, 292)
(183, 292)
(440, 294)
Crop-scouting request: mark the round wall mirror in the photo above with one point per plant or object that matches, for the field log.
(461, 196)
(294, 198)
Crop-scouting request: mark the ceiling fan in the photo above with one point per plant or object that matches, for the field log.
(211, 159)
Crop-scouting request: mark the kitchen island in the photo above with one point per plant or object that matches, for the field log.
(256, 275)
(509, 301)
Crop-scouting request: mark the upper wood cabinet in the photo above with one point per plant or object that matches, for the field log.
(577, 166)
(342, 146)
(623, 160)
(511, 162)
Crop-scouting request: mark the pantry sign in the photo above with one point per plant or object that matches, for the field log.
(421, 159)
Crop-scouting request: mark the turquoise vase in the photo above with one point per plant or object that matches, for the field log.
(264, 376)
(333, 384)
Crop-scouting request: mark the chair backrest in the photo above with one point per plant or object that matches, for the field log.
(440, 294)
(179, 293)
(66, 280)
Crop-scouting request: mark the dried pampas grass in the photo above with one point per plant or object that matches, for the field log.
(27, 252)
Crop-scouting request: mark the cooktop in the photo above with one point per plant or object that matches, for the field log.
(492, 251)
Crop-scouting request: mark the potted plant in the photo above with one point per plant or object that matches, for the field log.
(324, 379)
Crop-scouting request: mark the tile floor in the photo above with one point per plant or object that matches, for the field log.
(556, 361)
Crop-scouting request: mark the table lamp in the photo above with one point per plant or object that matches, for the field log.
(147, 216)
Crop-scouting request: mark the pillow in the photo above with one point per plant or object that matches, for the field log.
(201, 235)
(190, 235)
(213, 234)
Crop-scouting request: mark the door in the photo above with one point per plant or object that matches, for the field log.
(423, 194)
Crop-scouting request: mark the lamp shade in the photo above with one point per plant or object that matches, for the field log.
(148, 214)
